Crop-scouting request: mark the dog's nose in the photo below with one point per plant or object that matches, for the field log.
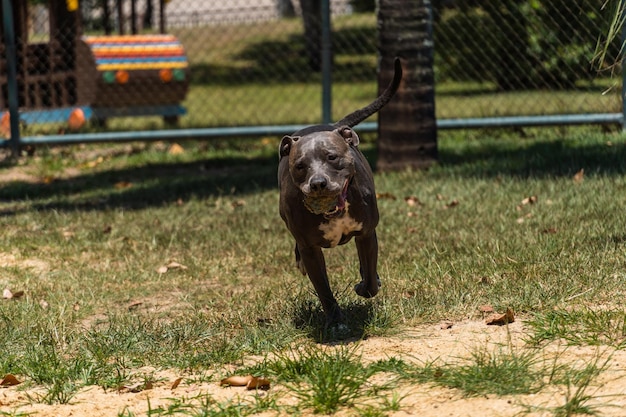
(318, 183)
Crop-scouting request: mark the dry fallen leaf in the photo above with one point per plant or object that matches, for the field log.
(123, 184)
(9, 380)
(389, 196)
(176, 382)
(501, 319)
(236, 381)
(446, 325)
(137, 387)
(579, 176)
(486, 308)
(8, 294)
(94, 163)
(248, 381)
(135, 305)
(452, 203)
(44, 304)
(175, 149)
(258, 383)
(412, 201)
(530, 200)
(174, 265)
(485, 280)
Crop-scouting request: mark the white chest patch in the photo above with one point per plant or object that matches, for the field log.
(336, 228)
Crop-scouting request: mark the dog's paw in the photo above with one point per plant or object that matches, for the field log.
(367, 291)
(339, 331)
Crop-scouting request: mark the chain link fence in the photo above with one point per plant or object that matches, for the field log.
(94, 65)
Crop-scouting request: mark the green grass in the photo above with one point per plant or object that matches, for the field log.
(590, 327)
(323, 381)
(85, 230)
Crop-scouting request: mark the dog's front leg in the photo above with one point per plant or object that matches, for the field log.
(367, 248)
(313, 260)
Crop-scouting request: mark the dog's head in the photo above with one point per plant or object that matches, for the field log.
(321, 165)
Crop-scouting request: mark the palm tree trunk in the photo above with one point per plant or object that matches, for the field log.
(407, 130)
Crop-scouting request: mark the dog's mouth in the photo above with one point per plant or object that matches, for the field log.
(340, 208)
(329, 206)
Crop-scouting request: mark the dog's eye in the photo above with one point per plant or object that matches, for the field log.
(300, 166)
(332, 157)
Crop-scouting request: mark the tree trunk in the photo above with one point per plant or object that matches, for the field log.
(407, 130)
(148, 16)
(286, 9)
(312, 19)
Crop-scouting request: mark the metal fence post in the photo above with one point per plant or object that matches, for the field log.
(622, 13)
(326, 64)
(11, 57)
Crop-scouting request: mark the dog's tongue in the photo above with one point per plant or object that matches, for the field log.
(341, 201)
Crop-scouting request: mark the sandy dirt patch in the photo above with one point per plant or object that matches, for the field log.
(420, 344)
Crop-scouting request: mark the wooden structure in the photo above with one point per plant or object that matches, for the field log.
(105, 76)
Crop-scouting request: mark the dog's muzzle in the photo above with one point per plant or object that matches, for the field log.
(330, 206)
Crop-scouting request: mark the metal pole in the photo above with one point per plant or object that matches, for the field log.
(326, 64)
(11, 56)
(162, 24)
(622, 16)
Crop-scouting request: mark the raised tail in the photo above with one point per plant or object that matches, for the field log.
(358, 116)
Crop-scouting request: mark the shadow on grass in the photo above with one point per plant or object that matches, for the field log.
(160, 184)
(309, 317)
(145, 186)
(535, 158)
(274, 61)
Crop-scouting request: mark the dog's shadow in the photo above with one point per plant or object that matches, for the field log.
(359, 317)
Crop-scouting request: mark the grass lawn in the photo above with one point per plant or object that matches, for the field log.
(154, 255)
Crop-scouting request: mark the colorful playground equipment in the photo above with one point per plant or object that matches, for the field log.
(93, 77)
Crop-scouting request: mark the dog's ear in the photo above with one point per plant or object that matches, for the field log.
(285, 145)
(349, 135)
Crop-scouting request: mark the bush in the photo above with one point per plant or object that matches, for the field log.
(519, 44)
